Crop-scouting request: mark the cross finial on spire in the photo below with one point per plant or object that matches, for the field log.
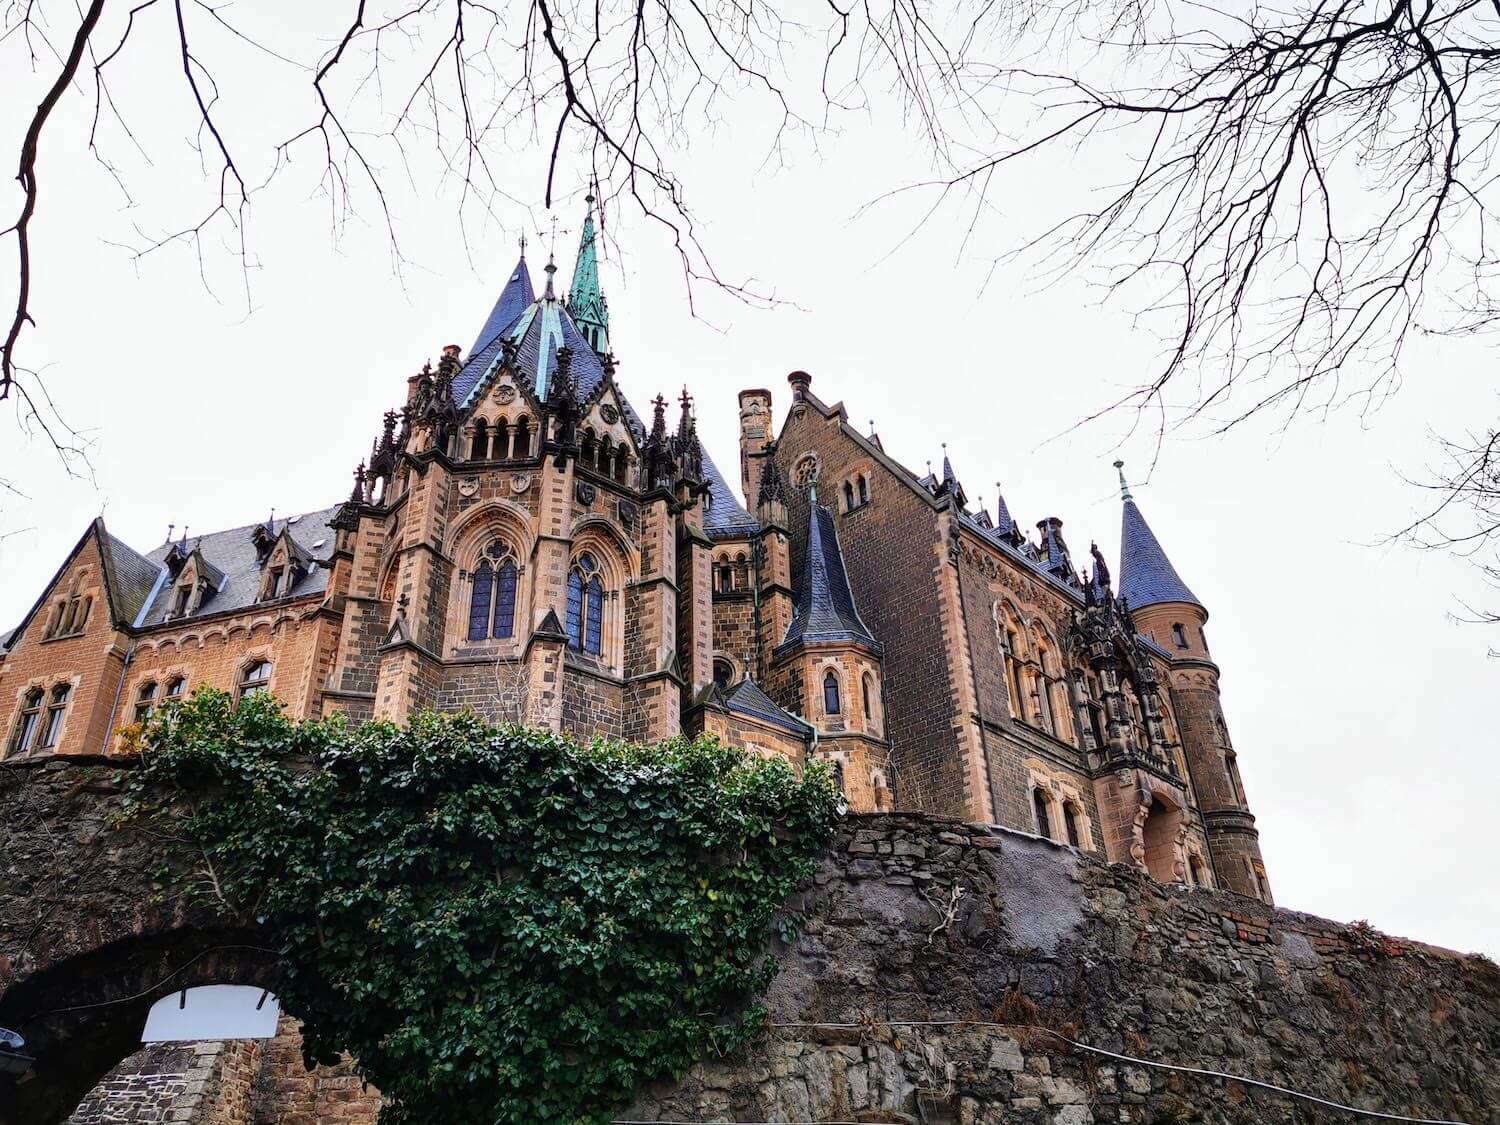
(1124, 487)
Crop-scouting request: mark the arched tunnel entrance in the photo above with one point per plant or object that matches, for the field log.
(82, 1016)
(93, 931)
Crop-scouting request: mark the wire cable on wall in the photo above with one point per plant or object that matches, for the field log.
(1151, 1063)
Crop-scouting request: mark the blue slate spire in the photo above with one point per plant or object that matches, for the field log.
(825, 603)
(1147, 576)
(514, 299)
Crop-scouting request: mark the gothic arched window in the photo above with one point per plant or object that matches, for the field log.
(501, 446)
(830, 693)
(503, 624)
(848, 497)
(479, 450)
(176, 686)
(1039, 806)
(492, 602)
(522, 447)
(1070, 823)
(586, 606)
(867, 686)
(864, 490)
(479, 601)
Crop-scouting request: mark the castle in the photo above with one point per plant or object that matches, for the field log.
(522, 542)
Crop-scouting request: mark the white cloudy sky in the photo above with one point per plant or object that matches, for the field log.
(1363, 713)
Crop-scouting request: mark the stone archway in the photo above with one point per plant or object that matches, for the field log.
(91, 935)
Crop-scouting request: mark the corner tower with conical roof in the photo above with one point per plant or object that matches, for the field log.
(1170, 614)
(829, 669)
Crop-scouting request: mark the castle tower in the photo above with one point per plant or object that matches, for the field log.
(1165, 610)
(829, 667)
(773, 564)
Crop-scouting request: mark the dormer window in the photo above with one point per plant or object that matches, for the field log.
(180, 598)
(273, 584)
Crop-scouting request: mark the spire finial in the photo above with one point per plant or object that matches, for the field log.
(523, 244)
(1124, 487)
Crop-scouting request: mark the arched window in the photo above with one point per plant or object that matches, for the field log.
(586, 606)
(176, 686)
(588, 448)
(480, 599)
(1070, 823)
(492, 602)
(503, 624)
(726, 576)
(606, 454)
(1039, 805)
(848, 496)
(622, 460)
(864, 490)
(1010, 643)
(255, 679)
(57, 707)
(500, 447)
(522, 447)
(1179, 635)
(479, 449)
(741, 572)
(830, 693)
(723, 673)
(145, 701)
(867, 686)
(27, 722)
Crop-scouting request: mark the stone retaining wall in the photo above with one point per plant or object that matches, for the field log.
(937, 965)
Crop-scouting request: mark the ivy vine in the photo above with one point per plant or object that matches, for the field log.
(499, 924)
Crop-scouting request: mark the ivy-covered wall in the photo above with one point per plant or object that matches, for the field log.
(913, 923)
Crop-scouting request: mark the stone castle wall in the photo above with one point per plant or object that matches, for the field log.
(938, 964)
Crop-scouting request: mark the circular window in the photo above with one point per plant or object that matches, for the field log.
(806, 472)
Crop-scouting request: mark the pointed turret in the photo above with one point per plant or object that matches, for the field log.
(514, 299)
(586, 302)
(1147, 576)
(825, 603)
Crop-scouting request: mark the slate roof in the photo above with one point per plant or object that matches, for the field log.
(131, 577)
(726, 517)
(825, 604)
(1147, 576)
(514, 297)
(543, 325)
(540, 327)
(232, 552)
(746, 698)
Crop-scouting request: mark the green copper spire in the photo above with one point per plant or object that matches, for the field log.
(586, 303)
(1124, 488)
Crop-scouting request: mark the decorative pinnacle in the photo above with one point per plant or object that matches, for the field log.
(1124, 487)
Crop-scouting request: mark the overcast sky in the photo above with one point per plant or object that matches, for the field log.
(1363, 713)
